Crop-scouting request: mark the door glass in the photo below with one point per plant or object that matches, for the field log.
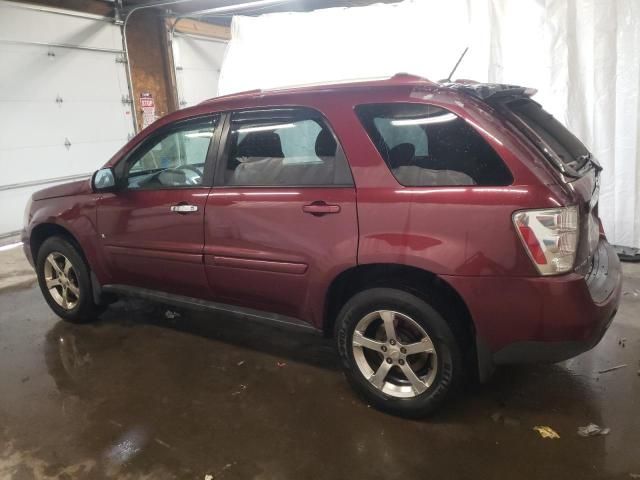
(175, 160)
(284, 147)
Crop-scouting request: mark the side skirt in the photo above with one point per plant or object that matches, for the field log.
(259, 316)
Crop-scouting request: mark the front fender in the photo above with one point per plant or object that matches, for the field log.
(74, 215)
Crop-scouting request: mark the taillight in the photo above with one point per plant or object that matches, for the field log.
(550, 237)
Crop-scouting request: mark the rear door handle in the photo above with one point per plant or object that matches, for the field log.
(320, 208)
(184, 208)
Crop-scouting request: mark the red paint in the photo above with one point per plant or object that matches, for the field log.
(269, 224)
(148, 245)
(280, 249)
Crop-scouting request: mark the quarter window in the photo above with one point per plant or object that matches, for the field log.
(283, 147)
(424, 145)
(175, 160)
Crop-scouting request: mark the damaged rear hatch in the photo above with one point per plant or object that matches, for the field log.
(572, 162)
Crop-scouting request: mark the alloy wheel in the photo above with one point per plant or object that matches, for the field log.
(61, 280)
(394, 353)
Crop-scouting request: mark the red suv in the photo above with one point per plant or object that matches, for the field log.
(436, 230)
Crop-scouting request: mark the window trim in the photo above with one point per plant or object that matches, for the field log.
(225, 145)
(123, 166)
(442, 107)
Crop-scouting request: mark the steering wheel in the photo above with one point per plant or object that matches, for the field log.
(192, 175)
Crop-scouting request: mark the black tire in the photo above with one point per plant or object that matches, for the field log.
(84, 308)
(448, 359)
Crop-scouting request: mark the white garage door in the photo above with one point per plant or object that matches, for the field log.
(64, 106)
(197, 61)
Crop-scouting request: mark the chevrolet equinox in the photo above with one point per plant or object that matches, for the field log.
(435, 230)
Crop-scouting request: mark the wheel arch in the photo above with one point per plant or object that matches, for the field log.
(424, 284)
(41, 232)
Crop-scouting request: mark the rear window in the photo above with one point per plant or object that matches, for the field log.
(570, 151)
(426, 146)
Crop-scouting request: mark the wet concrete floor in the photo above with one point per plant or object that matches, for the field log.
(141, 396)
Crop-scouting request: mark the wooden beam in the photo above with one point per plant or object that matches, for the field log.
(194, 27)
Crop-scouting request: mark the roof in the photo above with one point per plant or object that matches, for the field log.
(399, 79)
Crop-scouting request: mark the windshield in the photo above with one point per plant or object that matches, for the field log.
(570, 151)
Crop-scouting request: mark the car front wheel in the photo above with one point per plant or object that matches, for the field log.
(397, 351)
(65, 282)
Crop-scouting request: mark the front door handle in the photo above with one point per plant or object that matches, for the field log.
(184, 208)
(320, 208)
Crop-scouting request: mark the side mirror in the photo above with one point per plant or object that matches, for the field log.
(103, 180)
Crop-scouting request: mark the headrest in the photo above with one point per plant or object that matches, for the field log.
(401, 155)
(260, 144)
(325, 144)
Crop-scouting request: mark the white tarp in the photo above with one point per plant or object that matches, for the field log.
(583, 56)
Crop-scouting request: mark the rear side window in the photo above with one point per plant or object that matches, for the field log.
(283, 147)
(426, 146)
(568, 149)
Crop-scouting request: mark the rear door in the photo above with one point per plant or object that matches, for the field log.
(152, 227)
(281, 220)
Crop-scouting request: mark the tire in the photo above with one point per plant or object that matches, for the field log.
(71, 296)
(417, 327)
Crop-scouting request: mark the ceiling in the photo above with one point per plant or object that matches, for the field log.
(187, 6)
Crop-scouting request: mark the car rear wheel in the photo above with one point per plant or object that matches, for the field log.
(397, 351)
(65, 282)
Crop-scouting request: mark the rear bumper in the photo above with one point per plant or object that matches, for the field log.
(542, 319)
(550, 352)
(604, 285)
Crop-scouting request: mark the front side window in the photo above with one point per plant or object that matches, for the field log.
(177, 159)
(425, 146)
(283, 147)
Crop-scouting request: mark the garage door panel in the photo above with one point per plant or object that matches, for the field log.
(38, 124)
(201, 53)
(33, 75)
(198, 63)
(40, 164)
(33, 124)
(86, 121)
(18, 23)
(196, 86)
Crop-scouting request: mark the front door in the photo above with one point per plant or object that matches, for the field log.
(152, 227)
(281, 219)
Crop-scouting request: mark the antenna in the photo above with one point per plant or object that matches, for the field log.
(456, 65)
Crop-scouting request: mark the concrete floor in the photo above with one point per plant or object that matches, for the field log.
(142, 396)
